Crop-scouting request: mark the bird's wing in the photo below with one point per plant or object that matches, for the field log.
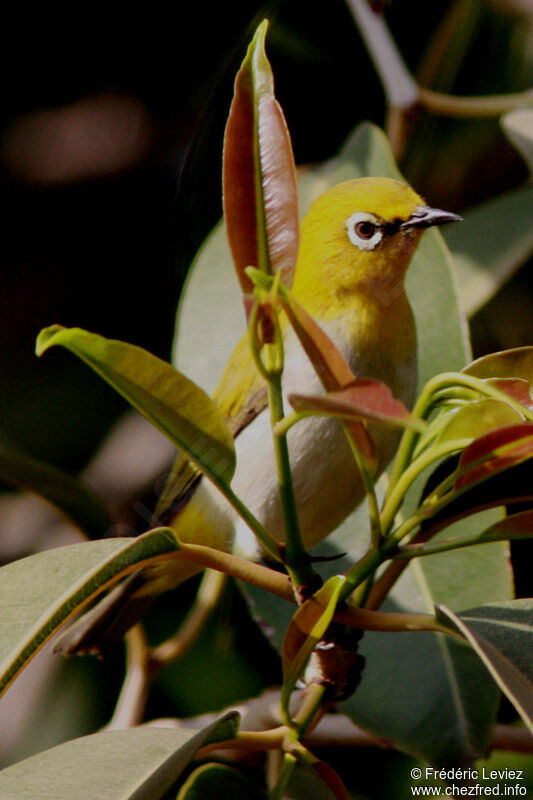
(241, 395)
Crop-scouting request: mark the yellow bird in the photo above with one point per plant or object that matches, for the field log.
(356, 243)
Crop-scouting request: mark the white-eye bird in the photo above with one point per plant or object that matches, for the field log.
(356, 243)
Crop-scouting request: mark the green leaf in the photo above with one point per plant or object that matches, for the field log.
(502, 636)
(515, 363)
(131, 765)
(169, 400)
(476, 419)
(494, 239)
(41, 592)
(426, 692)
(260, 196)
(221, 782)
(83, 507)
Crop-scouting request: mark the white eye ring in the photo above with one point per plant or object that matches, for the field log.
(364, 230)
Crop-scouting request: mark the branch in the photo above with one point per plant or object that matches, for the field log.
(280, 585)
(402, 92)
(205, 602)
(401, 89)
(472, 107)
(129, 709)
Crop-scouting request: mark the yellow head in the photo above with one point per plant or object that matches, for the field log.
(357, 239)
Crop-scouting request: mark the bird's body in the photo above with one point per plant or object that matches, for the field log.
(358, 297)
(356, 244)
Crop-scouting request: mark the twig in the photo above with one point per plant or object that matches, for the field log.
(129, 709)
(280, 585)
(335, 730)
(205, 602)
(402, 92)
(472, 107)
(400, 88)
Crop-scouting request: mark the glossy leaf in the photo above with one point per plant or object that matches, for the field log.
(363, 398)
(493, 240)
(515, 363)
(69, 495)
(169, 400)
(428, 693)
(221, 782)
(493, 453)
(476, 419)
(41, 592)
(502, 636)
(516, 388)
(260, 195)
(129, 764)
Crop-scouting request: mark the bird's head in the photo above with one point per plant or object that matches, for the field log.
(358, 239)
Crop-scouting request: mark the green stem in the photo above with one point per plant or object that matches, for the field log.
(311, 704)
(464, 107)
(417, 550)
(269, 543)
(296, 556)
(278, 792)
(376, 530)
(283, 426)
(205, 602)
(365, 567)
(396, 497)
(398, 84)
(131, 703)
(436, 389)
(360, 595)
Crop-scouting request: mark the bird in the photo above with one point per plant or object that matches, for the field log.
(356, 243)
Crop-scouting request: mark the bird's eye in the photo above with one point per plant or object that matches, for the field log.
(364, 230)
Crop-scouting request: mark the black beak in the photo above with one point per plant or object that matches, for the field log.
(425, 217)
